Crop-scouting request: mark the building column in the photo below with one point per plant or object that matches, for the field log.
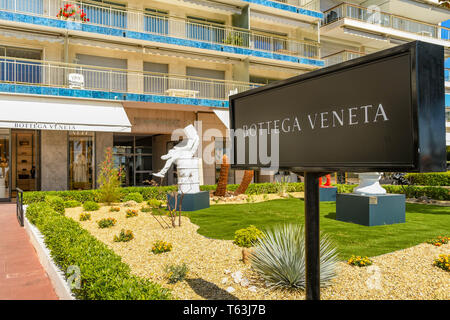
(54, 160)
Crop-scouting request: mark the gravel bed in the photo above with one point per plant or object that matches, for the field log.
(404, 274)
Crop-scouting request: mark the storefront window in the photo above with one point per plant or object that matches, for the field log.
(4, 163)
(134, 154)
(81, 157)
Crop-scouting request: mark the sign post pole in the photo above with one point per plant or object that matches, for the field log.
(312, 235)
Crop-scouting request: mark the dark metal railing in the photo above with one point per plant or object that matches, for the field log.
(19, 206)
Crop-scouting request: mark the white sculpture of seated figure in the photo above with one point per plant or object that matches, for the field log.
(182, 155)
(369, 183)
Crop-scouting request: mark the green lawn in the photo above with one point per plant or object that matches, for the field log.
(422, 223)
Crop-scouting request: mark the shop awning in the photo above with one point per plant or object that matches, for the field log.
(40, 113)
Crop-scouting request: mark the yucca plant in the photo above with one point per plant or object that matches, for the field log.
(279, 257)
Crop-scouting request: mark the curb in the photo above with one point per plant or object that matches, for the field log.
(55, 274)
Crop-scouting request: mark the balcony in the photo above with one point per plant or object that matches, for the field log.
(447, 77)
(143, 27)
(309, 9)
(341, 56)
(81, 81)
(375, 28)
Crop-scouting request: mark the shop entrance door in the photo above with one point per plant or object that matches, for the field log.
(25, 160)
(5, 172)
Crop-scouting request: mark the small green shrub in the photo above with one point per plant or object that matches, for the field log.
(109, 179)
(85, 216)
(36, 210)
(247, 237)
(429, 179)
(437, 193)
(57, 203)
(91, 206)
(161, 247)
(175, 273)
(234, 39)
(154, 203)
(135, 196)
(103, 274)
(124, 236)
(146, 209)
(72, 204)
(106, 223)
(114, 209)
(131, 213)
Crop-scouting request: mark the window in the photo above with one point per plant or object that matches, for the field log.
(205, 30)
(270, 41)
(13, 67)
(156, 21)
(156, 83)
(103, 79)
(81, 160)
(207, 88)
(134, 154)
(106, 13)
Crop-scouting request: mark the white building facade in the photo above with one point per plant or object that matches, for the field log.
(77, 77)
(356, 28)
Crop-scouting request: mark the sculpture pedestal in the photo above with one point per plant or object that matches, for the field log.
(371, 210)
(191, 201)
(327, 194)
(188, 177)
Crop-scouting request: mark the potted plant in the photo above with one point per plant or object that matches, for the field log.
(72, 12)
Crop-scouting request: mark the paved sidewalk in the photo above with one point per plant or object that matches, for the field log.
(22, 277)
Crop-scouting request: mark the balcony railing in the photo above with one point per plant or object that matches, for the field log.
(305, 4)
(383, 19)
(341, 56)
(63, 75)
(154, 23)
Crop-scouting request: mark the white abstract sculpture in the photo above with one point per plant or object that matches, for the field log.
(369, 183)
(182, 155)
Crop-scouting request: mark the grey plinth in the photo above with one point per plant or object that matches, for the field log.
(191, 201)
(371, 210)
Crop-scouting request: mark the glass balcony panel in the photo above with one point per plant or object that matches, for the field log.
(156, 24)
(104, 80)
(155, 84)
(12, 71)
(207, 89)
(107, 16)
(205, 32)
(26, 6)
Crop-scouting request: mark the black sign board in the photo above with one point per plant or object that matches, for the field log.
(381, 112)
